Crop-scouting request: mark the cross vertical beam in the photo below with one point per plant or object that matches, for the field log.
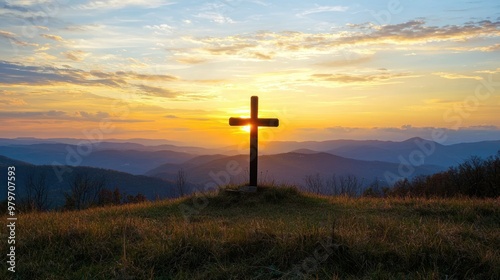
(254, 139)
(254, 123)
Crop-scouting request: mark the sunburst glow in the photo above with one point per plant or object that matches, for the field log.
(245, 128)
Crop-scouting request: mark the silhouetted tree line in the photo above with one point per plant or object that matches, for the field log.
(347, 185)
(87, 191)
(475, 177)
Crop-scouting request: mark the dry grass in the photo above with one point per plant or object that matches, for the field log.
(278, 233)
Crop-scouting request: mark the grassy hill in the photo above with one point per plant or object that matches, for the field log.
(277, 233)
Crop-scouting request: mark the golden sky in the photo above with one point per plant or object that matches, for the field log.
(177, 71)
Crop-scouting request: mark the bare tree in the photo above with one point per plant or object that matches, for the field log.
(314, 183)
(37, 191)
(348, 185)
(84, 191)
(181, 181)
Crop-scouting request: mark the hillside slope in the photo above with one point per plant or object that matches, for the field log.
(277, 233)
(127, 183)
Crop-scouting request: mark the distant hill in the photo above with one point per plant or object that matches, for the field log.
(165, 160)
(127, 183)
(130, 161)
(442, 155)
(287, 167)
(5, 161)
(390, 151)
(305, 151)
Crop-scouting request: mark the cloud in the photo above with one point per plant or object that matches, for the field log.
(157, 91)
(81, 27)
(262, 56)
(12, 101)
(13, 38)
(62, 115)
(76, 55)
(7, 34)
(136, 63)
(215, 17)
(36, 114)
(27, 10)
(145, 77)
(15, 73)
(489, 71)
(283, 44)
(416, 31)
(191, 60)
(346, 78)
(119, 4)
(492, 48)
(53, 37)
(346, 62)
(92, 116)
(454, 76)
(164, 28)
(342, 129)
(323, 9)
(229, 50)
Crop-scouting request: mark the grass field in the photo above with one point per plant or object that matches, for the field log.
(278, 233)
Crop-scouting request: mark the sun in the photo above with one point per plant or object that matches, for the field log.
(245, 128)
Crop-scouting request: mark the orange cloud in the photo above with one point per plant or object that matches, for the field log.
(53, 37)
(346, 78)
(75, 55)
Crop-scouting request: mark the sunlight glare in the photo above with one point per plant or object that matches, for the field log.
(245, 128)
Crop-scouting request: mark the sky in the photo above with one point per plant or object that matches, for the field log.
(177, 70)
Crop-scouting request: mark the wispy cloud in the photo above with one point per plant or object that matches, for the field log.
(12, 101)
(76, 55)
(13, 73)
(346, 78)
(160, 28)
(215, 17)
(119, 4)
(191, 60)
(53, 37)
(14, 39)
(454, 76)
(63, 115)
(323, 9)
(346, 61)
(367, 38)
(158, 91)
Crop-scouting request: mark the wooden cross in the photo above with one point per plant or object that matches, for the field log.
(254, 123)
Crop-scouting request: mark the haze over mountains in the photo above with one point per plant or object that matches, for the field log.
(59, 180)
(280, 162)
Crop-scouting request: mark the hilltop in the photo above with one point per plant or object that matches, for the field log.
(277, 233)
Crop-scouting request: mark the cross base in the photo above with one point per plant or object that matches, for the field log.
(244, 189)
(248, 189)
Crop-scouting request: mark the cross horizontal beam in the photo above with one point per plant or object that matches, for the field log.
(249, 121)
